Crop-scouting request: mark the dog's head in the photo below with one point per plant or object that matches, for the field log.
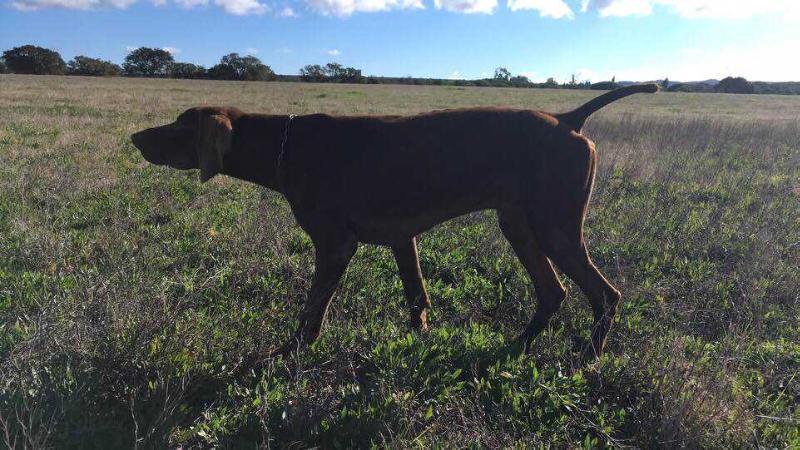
(198, 139)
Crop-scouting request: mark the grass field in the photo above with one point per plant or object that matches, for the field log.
(128, 290)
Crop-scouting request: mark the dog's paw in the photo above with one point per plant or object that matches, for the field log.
(419, 321)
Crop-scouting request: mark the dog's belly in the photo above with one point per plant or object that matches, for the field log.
(390, 231)
(386, 208)
(390, 226)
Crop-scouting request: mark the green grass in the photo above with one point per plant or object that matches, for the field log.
(127, 291)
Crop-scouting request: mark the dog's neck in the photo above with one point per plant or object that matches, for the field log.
(255, 155)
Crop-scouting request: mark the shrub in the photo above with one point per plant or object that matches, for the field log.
(84, 65)
(187, 70)
(605, 86)
(148, 62)
(244, 68)
(737, 85)
(30, 59)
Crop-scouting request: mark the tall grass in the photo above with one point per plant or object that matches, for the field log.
(127, 291)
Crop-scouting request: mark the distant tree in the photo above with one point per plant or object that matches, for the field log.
(690, 87)
(351, 75)
(614, 79)
(737, 85)
(550, 83)
(501, 73)
(249, 68)
(84, 65)
(245, 68)
(333, 71)
(187, 70)
(783, 87)
(520, 81)
(3, 68)
(665, 83)
(679, 87)
(604, 85)
(35, 60)
(222, 72)
(148, 62)
(313, 72)
(573, 83)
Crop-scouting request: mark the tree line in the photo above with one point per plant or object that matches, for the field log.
(159, 63)
(141, 62)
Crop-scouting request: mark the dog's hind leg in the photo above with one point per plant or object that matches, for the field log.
(549, 290)
(557, 222)
(568, 251)
(408, 265)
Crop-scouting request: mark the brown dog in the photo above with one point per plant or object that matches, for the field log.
(386, 179)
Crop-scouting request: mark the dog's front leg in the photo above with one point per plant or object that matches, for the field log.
(408, 265)
(332, 254)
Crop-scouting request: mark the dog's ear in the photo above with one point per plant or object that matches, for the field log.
(216, 135)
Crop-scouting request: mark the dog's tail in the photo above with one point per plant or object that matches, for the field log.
(577, 117)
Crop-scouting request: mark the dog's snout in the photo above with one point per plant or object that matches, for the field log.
(137, 138)
(144, 141)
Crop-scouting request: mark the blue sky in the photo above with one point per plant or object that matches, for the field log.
(595, 39)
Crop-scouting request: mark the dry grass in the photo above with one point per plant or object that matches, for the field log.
(127, 290)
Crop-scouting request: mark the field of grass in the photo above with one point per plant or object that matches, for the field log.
(128, 290)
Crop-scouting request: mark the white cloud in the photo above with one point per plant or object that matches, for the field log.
(188, 4)
(467, 6)
(242, 7)
(622, 8)
(235, 7)
(455, 75)
(694, 9)
(34, 5)
(556, 9)
(347, 7)
(334, 52)
(287, 11)
(251, 51)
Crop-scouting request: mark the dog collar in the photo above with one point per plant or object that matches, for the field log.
(283, 148)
